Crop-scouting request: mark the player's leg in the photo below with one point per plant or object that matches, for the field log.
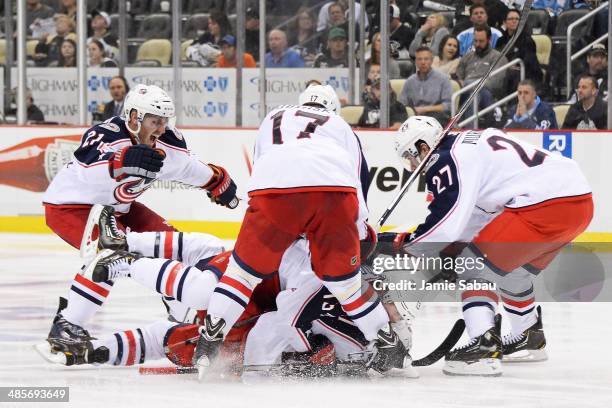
(334, 247)
(270, 225)
(125, 348)
(85, 297)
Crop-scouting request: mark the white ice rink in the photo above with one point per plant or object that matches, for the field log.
(36, 269)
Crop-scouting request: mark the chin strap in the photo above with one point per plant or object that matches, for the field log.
(134, 133)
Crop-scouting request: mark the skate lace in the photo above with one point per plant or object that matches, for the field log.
(115, 229)
(512, 338)
(468, 345)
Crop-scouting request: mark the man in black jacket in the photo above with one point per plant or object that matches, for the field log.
(590, 112)
(118, 87)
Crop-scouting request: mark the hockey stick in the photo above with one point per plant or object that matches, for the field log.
(455, 119)
(449, 342)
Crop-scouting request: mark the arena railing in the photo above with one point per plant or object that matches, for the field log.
(471, 86)
(568, 53)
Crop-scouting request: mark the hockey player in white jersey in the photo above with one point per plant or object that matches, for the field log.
(117, 161)
(515, 203)
(305, 180)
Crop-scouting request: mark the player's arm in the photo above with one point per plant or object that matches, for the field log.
(188, 169)
(455, 189)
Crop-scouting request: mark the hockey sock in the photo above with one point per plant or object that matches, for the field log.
(520, 308)
(135, 346)
(85, 299)
(183, 247)
(479, 308)
(173, 279)
(361, 304)
(232, 294)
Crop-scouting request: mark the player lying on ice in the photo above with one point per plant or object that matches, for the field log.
(516, 203)
(117, 161)
(294, 312)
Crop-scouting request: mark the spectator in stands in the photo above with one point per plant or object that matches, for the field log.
(336, 54)
(251, 32)
(33, 115)
(590, 112)
(227, 59)
(496, 11)
(597, 62)
(97, 55)
(371, 112)
(556, 7)
(279, 56)
(324, 20)
(218, 27)
(337, 18)
(476, 63)
(524, 48)
(37, 13)
(47, 50)
(69, 7)
(100, 25)
(430, 34)
(67, 55)
(530, 112)
(118, 87)
(428, 91)
(478, 17)
(447, 59)
(394, 69)
(399, 32)
(302, 36)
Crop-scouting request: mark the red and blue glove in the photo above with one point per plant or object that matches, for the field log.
(138, 160)
(221, 188)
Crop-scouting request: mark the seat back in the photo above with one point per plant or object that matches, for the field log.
(157, 49)
(560, 112)
(195, 25)
(351, 114)
(156, 26)
(537, 22)
(543, 45)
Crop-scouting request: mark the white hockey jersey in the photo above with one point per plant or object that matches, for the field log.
(86, 179)
(474, 175)
(304, 148)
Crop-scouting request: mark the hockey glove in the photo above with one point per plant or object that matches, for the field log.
(221, 188)
(138, 161)
(391, 243)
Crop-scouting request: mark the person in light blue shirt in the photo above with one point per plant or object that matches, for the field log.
(478, 16)
(280, 56)
(556, 7)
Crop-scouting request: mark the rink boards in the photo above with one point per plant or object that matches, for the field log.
(30, 156)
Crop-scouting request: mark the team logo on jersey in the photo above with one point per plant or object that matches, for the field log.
(110, 126)
(130, 191)
(434, 158)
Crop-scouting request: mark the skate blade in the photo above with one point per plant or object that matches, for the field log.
(44, 350)
(526, 356)
(89, 246)
(485, 367)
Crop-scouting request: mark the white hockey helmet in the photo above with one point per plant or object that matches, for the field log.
(414, 131)
(323, 95)
(148, 99)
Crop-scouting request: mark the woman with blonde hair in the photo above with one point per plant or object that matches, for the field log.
(394, 69)
(430, 33)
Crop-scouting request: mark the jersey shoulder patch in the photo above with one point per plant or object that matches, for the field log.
(174, 138)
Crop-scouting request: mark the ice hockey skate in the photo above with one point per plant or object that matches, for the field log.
(109, 265)
(209, 342)
(527, 346)
(70, 352)
(63, 329)
(480, 357)
(101, 232)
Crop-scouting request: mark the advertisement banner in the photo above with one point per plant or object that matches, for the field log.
(55, 91)
(208, 94)
(284, 85)
(31, 156)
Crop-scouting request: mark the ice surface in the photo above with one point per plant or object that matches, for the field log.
(36, 269)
